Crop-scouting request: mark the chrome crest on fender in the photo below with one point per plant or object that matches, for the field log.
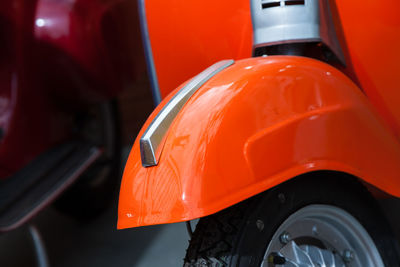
(150, 142)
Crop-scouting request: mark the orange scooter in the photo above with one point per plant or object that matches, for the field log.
(282, 149)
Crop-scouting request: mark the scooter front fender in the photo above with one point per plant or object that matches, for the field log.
(252, 126)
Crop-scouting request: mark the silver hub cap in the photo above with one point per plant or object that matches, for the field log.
(306, 255)
(321, 235)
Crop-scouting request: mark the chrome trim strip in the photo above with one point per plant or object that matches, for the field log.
(150, 149)
(155, 89)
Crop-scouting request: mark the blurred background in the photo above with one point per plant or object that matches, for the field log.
(74, 93)
(97, 242)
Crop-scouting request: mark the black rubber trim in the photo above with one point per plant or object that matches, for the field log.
(41, 181)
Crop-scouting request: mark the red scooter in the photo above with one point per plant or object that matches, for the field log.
(62, 65)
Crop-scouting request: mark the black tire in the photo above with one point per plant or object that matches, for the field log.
(239, 235)
(97, 187)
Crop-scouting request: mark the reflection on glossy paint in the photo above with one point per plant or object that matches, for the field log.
(40, 22)
(53, 26)
(310, 165)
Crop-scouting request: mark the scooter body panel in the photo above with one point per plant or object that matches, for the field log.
(188, 36)
(254, 125)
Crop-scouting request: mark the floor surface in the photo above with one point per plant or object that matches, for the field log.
(98, 243)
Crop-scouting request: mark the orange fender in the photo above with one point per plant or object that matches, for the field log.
(252, 126)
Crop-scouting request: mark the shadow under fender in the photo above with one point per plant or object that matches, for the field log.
(252, 126)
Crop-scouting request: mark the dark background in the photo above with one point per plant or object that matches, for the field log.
(98, 242)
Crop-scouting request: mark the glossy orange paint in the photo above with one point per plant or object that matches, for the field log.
(188, 36)
(252, 126)
(372, 39)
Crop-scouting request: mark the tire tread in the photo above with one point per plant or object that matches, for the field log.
(214, 238)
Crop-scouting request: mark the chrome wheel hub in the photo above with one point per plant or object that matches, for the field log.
(292, 255)
(321, 235)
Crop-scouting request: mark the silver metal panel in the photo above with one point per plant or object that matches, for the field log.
(150, 142)
(286, 21)
(282, 23)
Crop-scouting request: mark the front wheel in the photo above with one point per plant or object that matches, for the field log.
(323, 219)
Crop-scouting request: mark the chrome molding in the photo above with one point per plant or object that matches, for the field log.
(155, 89)
(150, 142)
